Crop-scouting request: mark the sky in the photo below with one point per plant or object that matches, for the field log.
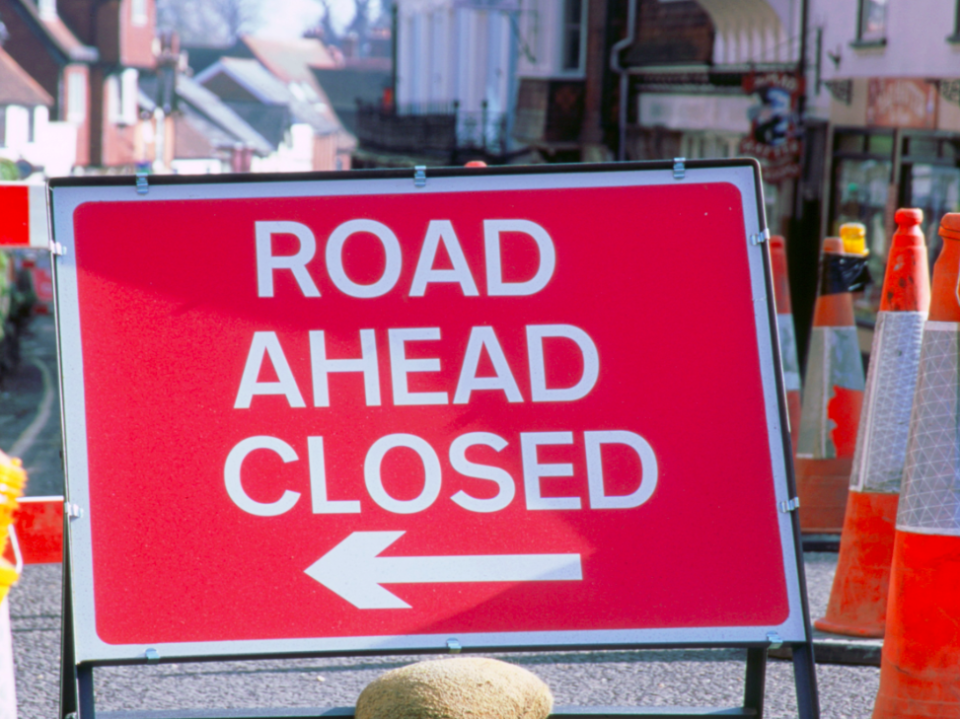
(289, 18)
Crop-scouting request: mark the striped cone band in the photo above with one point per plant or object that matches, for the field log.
(788, 338)
(930, 497)
(832, 394)
(888, 399)
(788, 353)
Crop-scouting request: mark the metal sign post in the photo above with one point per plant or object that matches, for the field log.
(510, 409)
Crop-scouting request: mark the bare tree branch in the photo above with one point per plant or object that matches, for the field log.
(209, 21)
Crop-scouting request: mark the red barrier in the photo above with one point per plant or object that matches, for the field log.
(39, 527)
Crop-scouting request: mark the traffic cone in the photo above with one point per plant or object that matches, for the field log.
(833, 390)
(858, 599)
(788, 338)
(920, 663)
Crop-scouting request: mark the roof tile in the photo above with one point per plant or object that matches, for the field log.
(17, 87)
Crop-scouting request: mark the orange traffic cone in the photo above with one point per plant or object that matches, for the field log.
(833, 390)
(920, 664)
(858, 600)
(788, 338)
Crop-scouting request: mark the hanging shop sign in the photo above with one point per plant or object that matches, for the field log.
(774, 137)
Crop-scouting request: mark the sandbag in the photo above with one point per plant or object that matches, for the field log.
(461, 688)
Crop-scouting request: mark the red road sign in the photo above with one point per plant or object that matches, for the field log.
(355, 414)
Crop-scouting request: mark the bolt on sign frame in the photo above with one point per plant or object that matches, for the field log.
(367, 413)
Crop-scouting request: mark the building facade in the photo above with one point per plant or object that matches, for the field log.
(885, 75)
(460, 57)
(123, 33)
(39, 41)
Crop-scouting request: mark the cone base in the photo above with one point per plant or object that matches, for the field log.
(822, 486)
(920, 665)
(915, 709)
(849, 630)
(858, 598)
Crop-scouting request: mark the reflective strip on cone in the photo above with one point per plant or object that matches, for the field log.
(788, 353)
(832, 394)
(891, 382)
(791, 375)
(930, 498)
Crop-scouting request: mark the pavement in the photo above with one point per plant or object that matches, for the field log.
(29, 424)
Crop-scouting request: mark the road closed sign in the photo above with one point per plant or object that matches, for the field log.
(360, 413)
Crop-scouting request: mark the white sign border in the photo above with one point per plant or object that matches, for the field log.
(90, 648)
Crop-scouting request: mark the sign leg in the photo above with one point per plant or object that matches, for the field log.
(68, 663)
(85, 691)
(805, 675)
(756, 679)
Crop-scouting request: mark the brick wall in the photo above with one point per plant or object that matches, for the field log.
(678, 32)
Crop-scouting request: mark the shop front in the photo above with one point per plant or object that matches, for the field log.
(906, 153)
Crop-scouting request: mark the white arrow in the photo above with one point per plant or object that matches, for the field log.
(353, 570)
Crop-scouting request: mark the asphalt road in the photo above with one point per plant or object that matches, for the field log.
(686, 678)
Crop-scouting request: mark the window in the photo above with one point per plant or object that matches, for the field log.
(39, 119)
(138, 12)
(872, 23)
(863, 163)
(934, 188)
(122, 97)
(128, 96)
(860, 195)
(955, 36)
(112, 90)
(17, 127)
(573, 34)
(930, 181)
(76, 97)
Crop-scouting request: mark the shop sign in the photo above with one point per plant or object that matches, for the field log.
(901, 102)
(774, 124)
